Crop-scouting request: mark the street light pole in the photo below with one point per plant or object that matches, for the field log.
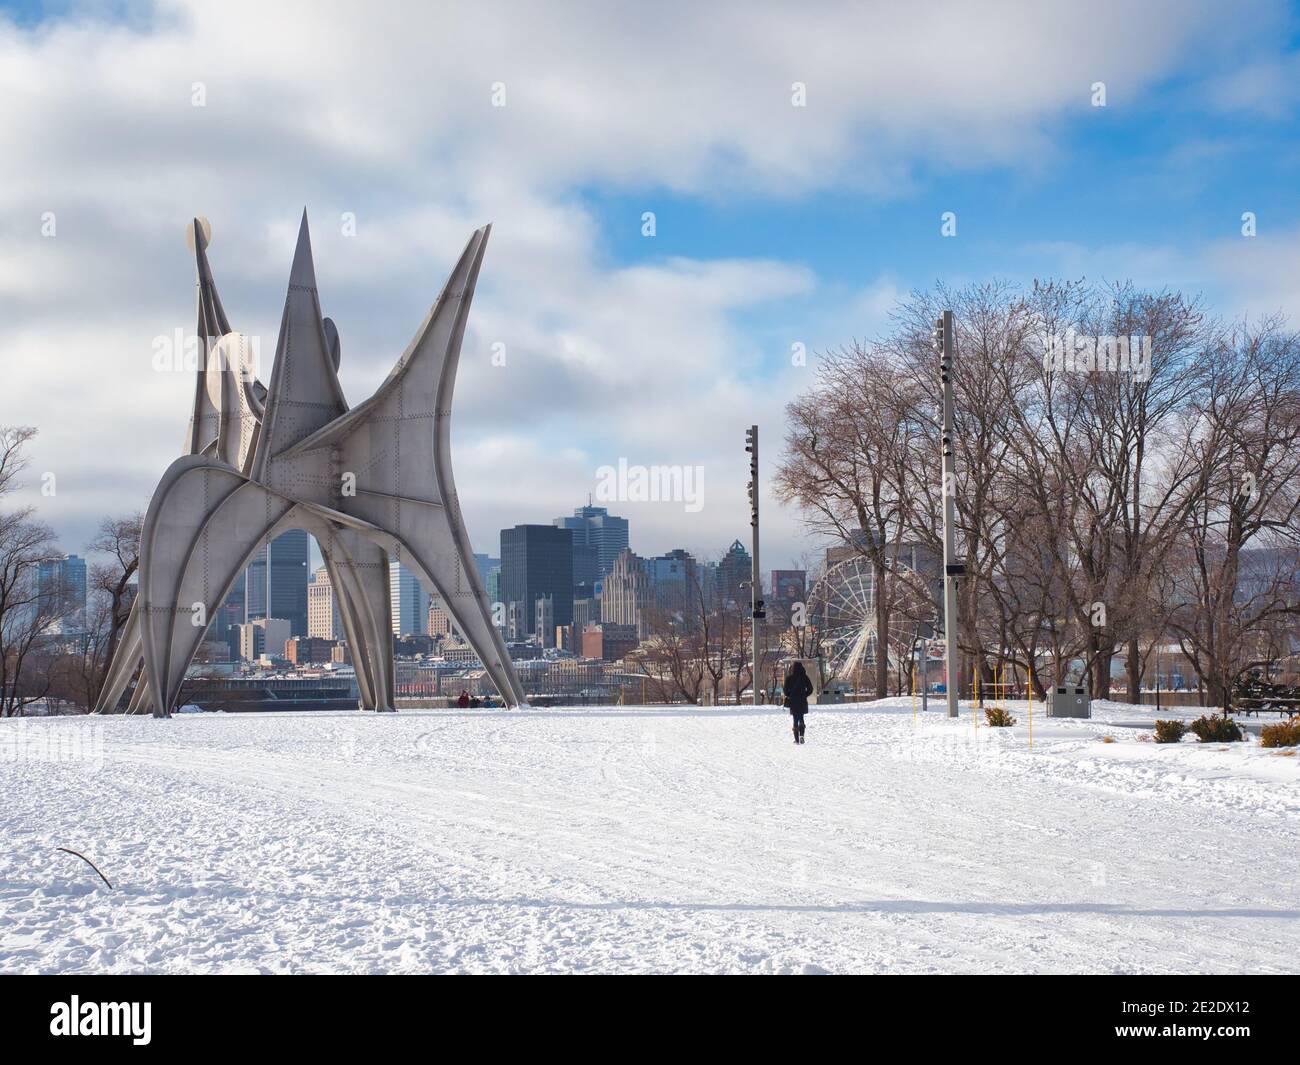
(757, 611)
(945, 343)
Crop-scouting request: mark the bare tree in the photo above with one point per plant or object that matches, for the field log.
(1099, 505)
(1248, 445)
(671, 657)
(27, 616)
(118, 539)
(846, 465)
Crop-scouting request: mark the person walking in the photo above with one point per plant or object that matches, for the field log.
(797, 688)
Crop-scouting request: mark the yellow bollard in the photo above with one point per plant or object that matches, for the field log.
(1029, 692)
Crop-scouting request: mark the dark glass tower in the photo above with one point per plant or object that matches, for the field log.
(537, 561)
(283, 583)
(598, 539)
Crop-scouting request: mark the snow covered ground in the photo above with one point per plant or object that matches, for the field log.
(643, 840)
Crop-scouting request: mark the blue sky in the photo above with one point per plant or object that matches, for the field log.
(775, 224)
(1116, 177)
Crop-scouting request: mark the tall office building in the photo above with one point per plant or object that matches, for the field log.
(598, 537)
(278, 575)
(485, 565)
(537, 561)
(408, 601)
(626, 594)
(323, 620)
(708, 575)
(440, 623)
(61, 584)
(734, 574)
(673, 582)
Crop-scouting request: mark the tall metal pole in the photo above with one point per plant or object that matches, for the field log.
(945, 341)
(757, 612)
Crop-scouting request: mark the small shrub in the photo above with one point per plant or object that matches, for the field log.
(1211, 728)
(1170, 731)
(1283, 734)
(998, 717)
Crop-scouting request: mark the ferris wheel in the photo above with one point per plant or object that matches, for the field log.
(842, 607)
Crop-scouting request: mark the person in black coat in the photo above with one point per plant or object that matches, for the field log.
(797, 688)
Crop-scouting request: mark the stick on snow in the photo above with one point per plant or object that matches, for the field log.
(89, 863)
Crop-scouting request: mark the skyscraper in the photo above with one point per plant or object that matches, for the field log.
(537, 561)
(440, 623)
(626, 594)
(323, 620)
(61, 583)
(282, 583)
(408, 601)
(734, 573)
(598, 537)
(673, 582)
(485, 564)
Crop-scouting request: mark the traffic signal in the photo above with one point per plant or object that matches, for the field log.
(945, 366)
(751, 445)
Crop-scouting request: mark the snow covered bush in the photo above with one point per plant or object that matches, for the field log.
(1170, 731)
(1211, 728)
(1283, 734)
(998, 717)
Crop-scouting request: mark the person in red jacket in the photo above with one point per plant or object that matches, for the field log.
(463, 701)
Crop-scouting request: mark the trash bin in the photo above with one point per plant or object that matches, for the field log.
(1068, 700)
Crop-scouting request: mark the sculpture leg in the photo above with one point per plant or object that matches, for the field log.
(126, 660)
(445, 574)
(141, 699)
(359, 572)
(204, 525)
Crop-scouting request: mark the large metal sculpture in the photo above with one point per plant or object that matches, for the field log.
(367, 482)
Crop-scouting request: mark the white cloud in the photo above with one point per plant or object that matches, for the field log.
(385, 111)
(1261, 274)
